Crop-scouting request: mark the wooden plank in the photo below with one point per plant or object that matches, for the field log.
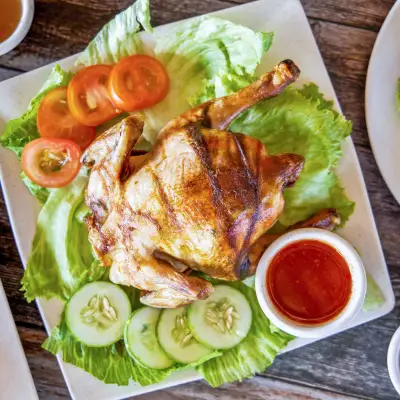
(366, 14)
(257, 388)
(6, 73)
(53, 34)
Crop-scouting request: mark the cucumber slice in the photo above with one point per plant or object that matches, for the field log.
(223, 320)
(175, 338)
(96, 314)
(141, 341)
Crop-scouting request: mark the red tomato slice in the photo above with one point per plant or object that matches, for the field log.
(88, 97)
(55, 120)
(51, 163)
(138, 82)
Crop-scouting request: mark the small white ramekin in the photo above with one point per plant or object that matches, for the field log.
(22, 28)
(393, 360)
(359, 284)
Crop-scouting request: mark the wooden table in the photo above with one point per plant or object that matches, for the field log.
(347, 366)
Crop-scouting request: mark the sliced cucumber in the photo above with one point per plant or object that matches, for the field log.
(221, 321)
(175, 338)
(141, 341)
(96, 314)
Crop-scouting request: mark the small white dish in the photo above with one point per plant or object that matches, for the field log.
(393, 360)
(356, 267)
(22, 28)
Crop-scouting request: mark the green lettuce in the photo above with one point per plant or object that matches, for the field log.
(119, 37)
(61, 256)
(374, 296)
(20, 131)
(193, 53)
(254, 354)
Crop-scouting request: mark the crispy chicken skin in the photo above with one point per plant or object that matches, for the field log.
(200, 199)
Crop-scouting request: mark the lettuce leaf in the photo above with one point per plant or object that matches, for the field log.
(111, 364)
(193, 53)
(254, 354)
(374, 297)
(22, 130)
(119, 37)
(61, 256)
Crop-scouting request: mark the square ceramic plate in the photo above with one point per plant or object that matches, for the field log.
(293, 39)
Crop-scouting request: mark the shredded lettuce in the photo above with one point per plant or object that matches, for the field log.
(61, 254)
(119, 37)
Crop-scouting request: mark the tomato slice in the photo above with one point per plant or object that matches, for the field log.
(55, 120)
(52, 162)
(88, 97)
(138, 82)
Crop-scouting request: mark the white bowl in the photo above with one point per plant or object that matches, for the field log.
(22, 28)
(359, 283)
(393, 360)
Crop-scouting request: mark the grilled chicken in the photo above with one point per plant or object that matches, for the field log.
(198, 201)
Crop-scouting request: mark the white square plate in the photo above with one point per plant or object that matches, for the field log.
(293, 39)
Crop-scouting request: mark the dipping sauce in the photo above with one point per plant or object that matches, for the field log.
(309, 282)
(10, 15)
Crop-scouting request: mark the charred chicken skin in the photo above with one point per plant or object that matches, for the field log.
(199, 200)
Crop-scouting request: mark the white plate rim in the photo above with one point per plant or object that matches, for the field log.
(379, 158)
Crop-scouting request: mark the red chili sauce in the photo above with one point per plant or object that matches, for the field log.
(309, 282)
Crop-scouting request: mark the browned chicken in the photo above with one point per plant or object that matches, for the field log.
(199, 200)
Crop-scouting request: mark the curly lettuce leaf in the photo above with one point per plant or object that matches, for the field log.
(22, 130)
(111, 364)
(119, 37)
(61, 256)
(254, 354)
(193, 53)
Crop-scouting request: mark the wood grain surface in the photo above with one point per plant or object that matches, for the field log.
(349, 365)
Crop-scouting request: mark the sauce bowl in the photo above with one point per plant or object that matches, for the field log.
(22, 28)
(358, 289)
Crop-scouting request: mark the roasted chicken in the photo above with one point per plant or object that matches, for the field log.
(199, 200)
